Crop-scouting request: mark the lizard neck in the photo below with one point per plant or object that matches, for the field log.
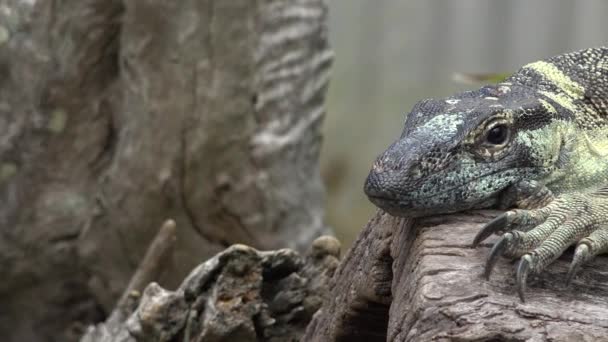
(583, 160)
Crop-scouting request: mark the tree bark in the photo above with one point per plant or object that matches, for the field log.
(239, 295)
(421, 281)
(403, 280)
(117, 115)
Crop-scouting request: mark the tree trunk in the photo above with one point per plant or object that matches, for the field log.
(116, 115)
(406, 281)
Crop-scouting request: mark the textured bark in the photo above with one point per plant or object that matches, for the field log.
(238, 295)
(116, 115)
(361, 289)
(422, 282)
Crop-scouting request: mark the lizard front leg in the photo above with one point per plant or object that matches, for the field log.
(538, 236)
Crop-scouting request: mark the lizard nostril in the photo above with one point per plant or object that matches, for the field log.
(378, 166)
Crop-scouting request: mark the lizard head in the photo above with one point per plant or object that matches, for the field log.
(462, 152)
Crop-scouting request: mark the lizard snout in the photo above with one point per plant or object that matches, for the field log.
(382, 186)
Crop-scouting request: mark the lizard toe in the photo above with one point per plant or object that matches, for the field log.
(581, 255)
(519, 219)
(553, 242)
(498, 224)
(559, 240)
(577, 218)
(587, 248)
(497, 250)
(546, 232)
(522, 275)
(516, 243)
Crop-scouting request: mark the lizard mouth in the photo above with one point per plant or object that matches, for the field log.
(416, 206)
(409, 209)
(380, 200)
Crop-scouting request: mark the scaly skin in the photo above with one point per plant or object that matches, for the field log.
(537, 142)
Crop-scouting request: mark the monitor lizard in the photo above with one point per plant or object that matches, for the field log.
(535, 145)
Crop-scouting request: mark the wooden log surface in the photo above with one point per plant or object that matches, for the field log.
(402, 280)
(421, 281)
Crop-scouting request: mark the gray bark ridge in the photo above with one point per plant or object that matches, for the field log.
(117, 115)
(428, 286)
(241, 294)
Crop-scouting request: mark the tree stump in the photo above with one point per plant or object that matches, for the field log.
(117, 115)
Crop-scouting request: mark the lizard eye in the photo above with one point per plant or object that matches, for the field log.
(497, 135)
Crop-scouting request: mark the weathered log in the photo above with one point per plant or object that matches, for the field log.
(401, 281)
(406, 281)
(239, 295)
(115, 115)
(360, 290)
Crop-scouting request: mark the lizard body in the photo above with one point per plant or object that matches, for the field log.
(537, 142)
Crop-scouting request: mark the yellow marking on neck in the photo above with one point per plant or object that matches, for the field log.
(562, 100)
(551, 73)
(599, 149)
(548, 106)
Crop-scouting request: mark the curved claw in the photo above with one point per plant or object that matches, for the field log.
(581, 254)
(522, 275)
(498, 249)
(497, 224)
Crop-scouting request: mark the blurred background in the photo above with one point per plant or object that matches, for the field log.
(392, 53)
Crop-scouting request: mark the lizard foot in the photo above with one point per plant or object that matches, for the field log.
(539, 236)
